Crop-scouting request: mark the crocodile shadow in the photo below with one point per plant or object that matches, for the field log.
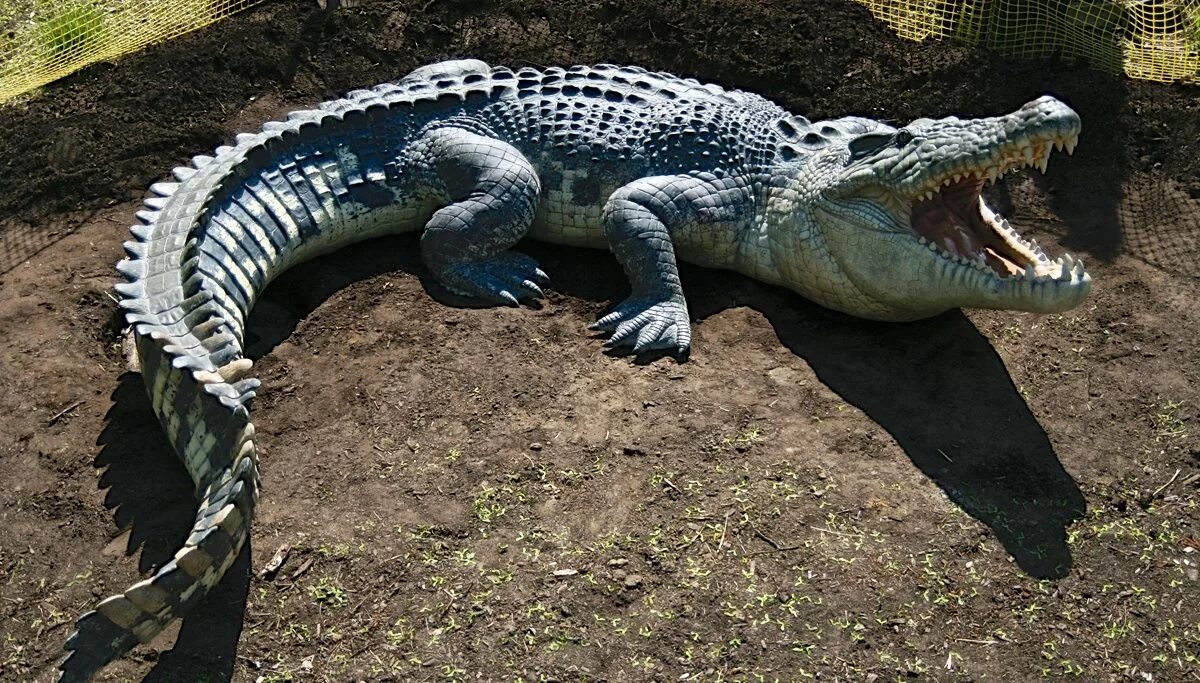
(941, 391)
(937, 386)
(151, 496)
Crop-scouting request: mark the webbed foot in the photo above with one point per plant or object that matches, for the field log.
(647, 325)
(506, 278)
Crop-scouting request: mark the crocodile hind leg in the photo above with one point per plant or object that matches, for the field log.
(643, 222)
(493, 192)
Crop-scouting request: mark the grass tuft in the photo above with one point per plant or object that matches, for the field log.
(76, 30)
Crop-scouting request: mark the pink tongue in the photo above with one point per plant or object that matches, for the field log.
(947, 230)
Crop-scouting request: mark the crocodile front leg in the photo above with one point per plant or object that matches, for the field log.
(493, 191)
(643, 222)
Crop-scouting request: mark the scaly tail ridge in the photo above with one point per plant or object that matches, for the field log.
(197, 383)
(220, 530)
(146, 608)
(192, 277)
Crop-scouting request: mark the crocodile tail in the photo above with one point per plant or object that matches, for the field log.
(194, 373)
(227, 502)
(187, 311)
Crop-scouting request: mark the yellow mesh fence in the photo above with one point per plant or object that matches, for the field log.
(1156, 40)
(43, 40)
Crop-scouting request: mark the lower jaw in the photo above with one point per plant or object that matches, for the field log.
(957, 287)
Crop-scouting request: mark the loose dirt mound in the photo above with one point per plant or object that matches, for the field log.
(480, 494)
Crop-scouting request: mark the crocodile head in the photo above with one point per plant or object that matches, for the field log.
(899, 229)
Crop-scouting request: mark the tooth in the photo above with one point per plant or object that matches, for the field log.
(921, 239)
(947, 181)
(992, 174)
(1079, 269)
(1045, 161)
(1070, 145)
(1058, 145)
(957, 177)
(1028, 154)
(1029, 274)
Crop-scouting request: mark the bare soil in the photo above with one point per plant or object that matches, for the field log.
(481, 494)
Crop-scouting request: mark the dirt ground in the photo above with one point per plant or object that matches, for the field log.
(481, 494)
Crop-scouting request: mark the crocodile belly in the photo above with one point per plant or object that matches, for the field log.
(571, 207)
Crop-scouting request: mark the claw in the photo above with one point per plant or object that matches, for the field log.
(645, 325)
(505, 279)
(623, 331)
(649, 335)
(604, 323)
(534, 290)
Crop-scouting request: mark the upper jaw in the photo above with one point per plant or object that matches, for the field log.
(950, 150)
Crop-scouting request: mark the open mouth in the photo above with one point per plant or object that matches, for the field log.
(952, 220)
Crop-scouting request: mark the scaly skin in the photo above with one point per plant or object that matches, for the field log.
(858, 216)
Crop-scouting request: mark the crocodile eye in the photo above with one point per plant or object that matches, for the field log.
(903, 138)
(863, 145)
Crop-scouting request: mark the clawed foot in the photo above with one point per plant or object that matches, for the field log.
(646, 325)
(504, 279)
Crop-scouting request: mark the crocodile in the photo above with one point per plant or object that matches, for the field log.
(874, 220)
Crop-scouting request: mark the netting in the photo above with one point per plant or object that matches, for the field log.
(43, 40)
(1156, 40)
(1160, 224)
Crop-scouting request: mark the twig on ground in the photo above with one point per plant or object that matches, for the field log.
(724, 530)
(775, 547)
(977, 642)
(276, 562)
(835, 533)
(1162, 488)
(59, 415)
(765, 537)
(304, 567)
